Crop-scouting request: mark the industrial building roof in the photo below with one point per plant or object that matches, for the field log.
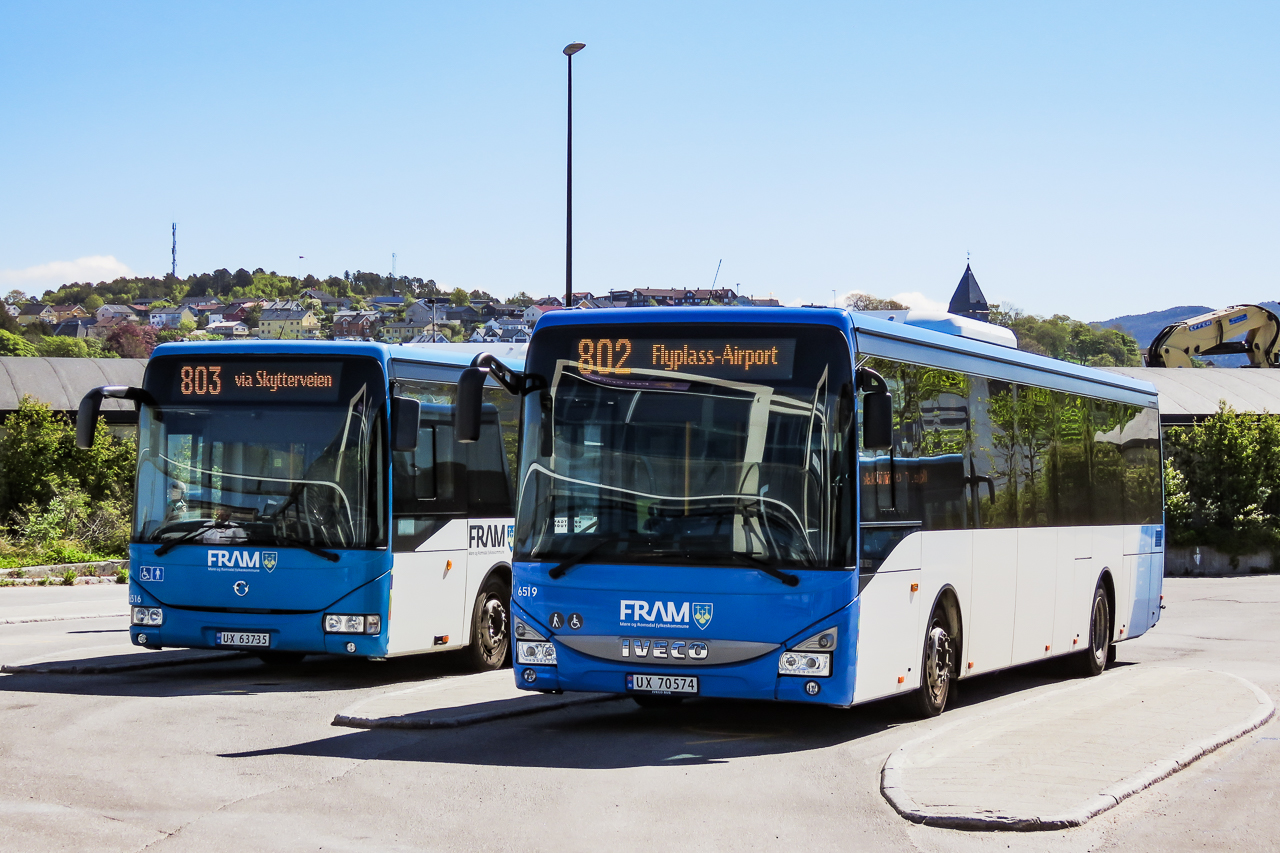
(1190, 394)
(62, 382)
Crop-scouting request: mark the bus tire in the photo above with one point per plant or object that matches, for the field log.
(936, 667)
(490, 627)
(1093, 660)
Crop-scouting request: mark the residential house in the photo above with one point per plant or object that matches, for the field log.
(498, 326)
(534, 313)
(428, 310)
(327, 300)
(501, 310)
(170, 318)
(675, 296)
(431, 335)
(288, 324)
(63, 313)
(465, 315)
(228, 329)
(356, 325)
(33, 311)
(13, 310)
(399, 332)
(102, 328)
(77, 327)
(109, 311)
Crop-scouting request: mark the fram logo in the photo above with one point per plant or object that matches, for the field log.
(236, 559)
(645, 613)
(488, 536)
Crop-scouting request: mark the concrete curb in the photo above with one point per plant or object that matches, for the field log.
(537, 704)
(59, 668)
(891, 774)
(26, 620)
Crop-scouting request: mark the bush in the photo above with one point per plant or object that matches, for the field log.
(15, 345)
(39, 458)
(1220, 482)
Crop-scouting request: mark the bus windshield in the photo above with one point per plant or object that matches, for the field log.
(243, 451)
(697, 446)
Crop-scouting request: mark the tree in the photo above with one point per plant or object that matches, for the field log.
(130, 341)
(859, 301)
(8, 322)
(15, 345)
(459, 297)
(521, 299)
(61, 346)
(480, 294)
(1066, 339)
(93, 303)
(37, 330)
(252, 315)
(39, 458)
(15, 297)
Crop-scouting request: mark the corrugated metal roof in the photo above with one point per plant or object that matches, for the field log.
(62, 382)
(1188, 394)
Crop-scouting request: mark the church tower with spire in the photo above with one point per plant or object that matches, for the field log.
(968, 300)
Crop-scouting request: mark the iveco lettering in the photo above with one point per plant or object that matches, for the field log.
(285, 487)
(818, 505)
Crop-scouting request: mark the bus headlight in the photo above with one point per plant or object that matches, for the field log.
(537, 653)
(148, 616)
(348, 623)
(805, 663)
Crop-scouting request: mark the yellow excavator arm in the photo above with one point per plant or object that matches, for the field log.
(1213, 334)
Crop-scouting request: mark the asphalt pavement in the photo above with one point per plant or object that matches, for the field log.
(231, 754)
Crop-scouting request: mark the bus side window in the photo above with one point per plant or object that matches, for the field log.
(488, 478)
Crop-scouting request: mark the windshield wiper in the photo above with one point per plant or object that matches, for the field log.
(763, 565)
(307, 546)
(184, 538)
(557, 571)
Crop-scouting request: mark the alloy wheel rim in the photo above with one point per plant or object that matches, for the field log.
(938, 669)
(1100, 628)
(493, 628)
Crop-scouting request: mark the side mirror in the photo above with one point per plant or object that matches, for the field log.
(87, 418)
(405, 413)
(467, 409)
(91, 406)
(877, 420)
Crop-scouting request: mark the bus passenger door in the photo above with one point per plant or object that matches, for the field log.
(430, 534)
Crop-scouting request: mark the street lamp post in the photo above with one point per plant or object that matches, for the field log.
(569, 51)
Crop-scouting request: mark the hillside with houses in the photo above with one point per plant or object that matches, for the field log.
(129, 317)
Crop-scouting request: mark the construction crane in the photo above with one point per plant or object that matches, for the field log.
(1214, 334)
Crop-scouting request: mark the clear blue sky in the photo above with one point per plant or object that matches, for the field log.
(1097, 159)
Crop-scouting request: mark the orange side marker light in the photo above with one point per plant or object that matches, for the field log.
(915, 587)
(901, 678)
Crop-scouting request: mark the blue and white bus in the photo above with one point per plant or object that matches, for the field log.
(815, 505)
(309, 497)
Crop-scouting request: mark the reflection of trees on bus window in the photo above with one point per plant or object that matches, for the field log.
(972, 451)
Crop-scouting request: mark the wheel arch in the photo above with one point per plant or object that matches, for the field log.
(948, 600)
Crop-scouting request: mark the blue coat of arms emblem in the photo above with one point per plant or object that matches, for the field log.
(702, 614)
(269, 559)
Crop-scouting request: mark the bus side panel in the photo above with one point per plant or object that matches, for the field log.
(1108, 553)
(946, 560)
(1036, 593)
(1077, 576)
(428, 587)
(995, 580)
(489, 543)
(1140, 618)
(887, 617)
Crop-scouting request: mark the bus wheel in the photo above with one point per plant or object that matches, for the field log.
(935, 668)
(1094, 659)
(281, 659)
(490, 634)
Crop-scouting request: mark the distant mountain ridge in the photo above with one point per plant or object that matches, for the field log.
(1144, 327)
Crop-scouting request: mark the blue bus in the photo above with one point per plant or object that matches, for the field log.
(814, 505)
(309, 497)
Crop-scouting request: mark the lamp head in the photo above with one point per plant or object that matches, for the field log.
(571, 49)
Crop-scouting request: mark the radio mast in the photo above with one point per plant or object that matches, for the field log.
(174, 271)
